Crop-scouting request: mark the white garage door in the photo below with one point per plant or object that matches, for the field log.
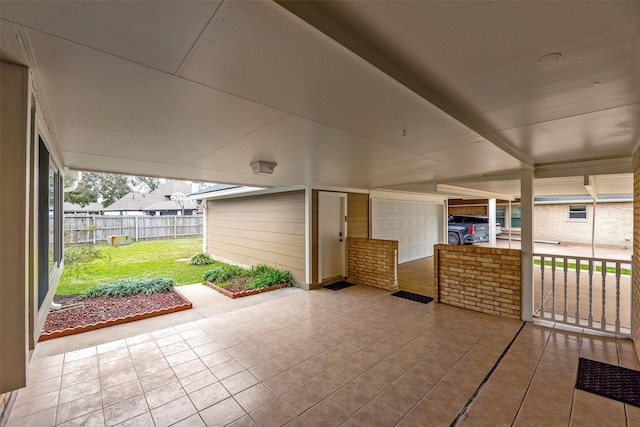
(415, 225)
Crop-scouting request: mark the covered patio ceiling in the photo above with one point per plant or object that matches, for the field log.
(397, 95)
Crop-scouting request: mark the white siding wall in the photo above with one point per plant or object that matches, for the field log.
(253, 230)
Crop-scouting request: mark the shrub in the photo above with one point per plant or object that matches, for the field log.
(127, 287)
(265, 276)
(201, 259)
(222, 273)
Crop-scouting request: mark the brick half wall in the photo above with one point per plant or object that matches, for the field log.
(481, 279)
(373, 262)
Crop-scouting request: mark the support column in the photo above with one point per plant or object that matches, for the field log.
(14, 236)
(526, 209)
(492, 222)
(204, 227)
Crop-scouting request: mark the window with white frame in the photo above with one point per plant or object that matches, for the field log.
(577, 211)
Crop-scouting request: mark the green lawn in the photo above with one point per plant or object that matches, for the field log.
(572, 266)
(159, 258)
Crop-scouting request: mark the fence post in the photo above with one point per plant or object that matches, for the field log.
(174, 226)
(136, 223)
(95, 227)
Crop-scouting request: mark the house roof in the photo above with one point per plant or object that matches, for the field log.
(91, 207)
(171, 205)
(158, 198)
(213, 189)
(390, 95)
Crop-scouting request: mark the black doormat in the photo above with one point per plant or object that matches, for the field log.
(613, 382)
(413, 297)
(339, 285)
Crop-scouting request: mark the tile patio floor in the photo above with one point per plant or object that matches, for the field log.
(355, 357)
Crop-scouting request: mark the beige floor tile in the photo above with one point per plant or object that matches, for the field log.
(550, 401)
(533, 415)
(181, 357)
(376, 414)
(164, 394)
(94, 419)
(370, 384)
(113, 355)
(26, 405)
(632, 411)
(596, 401)
(239, 382)
(481, 415)
(266, 370)
(172, 412)
(398, 400)
(586, 412)
(283, 383)
(79, 390)
(197, 381)
(46, 418)
(346, 371)
(121, 392)
(426, 414)
(324, 413)
(80, 354)
(254, 397)
(147, 367)
(143, 420)
(208, 348)
(216, 358)
(174, 348)
(325, 384)
(245, 421)
(189, 368)
(349, 399)
(79, 407)
(157, 379)
(226, 369)
(222, 413)
(306, 370)
(208, 396)
(118, 377)
(274, 414)
(77, 377)
(301, 398)
(125, 410)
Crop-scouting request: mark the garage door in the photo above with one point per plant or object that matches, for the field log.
(415, 225)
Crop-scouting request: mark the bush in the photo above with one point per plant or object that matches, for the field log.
(201, 259)
(222, 273)
(78, 257)
(128, 287)
(265, 276)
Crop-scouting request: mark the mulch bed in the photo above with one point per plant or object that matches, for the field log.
(101, 312)
(237, 288)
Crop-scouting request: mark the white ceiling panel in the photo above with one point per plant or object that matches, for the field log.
(283, 63)
(104, 105)
(155, 33)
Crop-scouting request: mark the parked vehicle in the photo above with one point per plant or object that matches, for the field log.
(474, 219)
(466, 229)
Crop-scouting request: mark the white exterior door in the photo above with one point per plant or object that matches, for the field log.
(331, 234)
(415, 225)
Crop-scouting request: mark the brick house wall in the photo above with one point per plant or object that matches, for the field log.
(373, 262)
(614, 223)
(481, 279)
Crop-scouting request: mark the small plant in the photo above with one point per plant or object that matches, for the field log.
(128, 287)
(265, 276)
(222, 273)
(201, 259)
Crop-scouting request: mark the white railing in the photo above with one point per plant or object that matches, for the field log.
(593, 293)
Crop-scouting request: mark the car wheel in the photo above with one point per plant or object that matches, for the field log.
(453, 238)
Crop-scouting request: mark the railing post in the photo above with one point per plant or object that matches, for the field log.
(542, 299)
(578, 270)
(553, 288)
(617, 297)
(591, 293)
(565, 270)
(603, 324)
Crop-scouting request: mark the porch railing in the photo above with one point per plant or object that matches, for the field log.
(592, 293)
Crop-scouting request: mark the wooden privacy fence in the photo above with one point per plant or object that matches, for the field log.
(96, 228)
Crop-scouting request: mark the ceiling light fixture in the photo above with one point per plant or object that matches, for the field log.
(261, 167)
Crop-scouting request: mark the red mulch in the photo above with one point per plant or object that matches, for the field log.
(102, 309)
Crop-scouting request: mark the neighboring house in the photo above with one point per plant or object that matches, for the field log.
(567, 219)
(157, 202)
(90, 209)
(304, 230)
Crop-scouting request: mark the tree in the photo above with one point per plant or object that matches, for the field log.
(146, 182)
(94, 186)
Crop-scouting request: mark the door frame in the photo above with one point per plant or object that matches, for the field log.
(343, 197)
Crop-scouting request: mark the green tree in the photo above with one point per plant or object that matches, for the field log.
(146, 182)
(93, 186)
